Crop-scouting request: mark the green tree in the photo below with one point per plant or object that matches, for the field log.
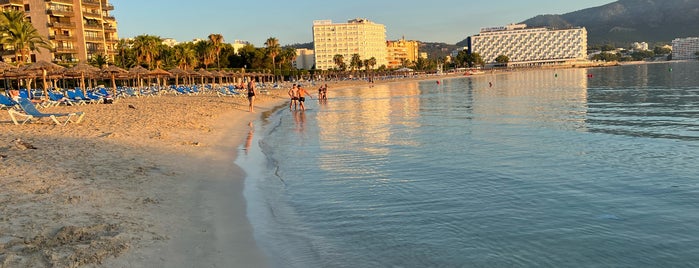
(205, 53)
(126, 56)
(662, 50)
(372, 62)
(99, 60)
(339, 61)
(273, 49)
(184, 56)
(502, 60)
(216, 42)
(355, 62)
(147, 49)
(20, 35)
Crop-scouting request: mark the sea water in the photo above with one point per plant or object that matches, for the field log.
(546, 168)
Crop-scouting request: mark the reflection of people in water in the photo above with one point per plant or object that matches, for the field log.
(300, 119)
(248, 141)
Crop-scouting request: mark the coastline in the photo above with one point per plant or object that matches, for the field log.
(154, 185)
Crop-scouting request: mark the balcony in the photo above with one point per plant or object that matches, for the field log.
(60, 13)
(92, 15)
(61, 37)
(12, 2)
(93, 26)
(69, 2)
(63, 25)
(65, 50)
(94, 39)
(94, 3)
(108, 7)
(109, 18)
(110, 29)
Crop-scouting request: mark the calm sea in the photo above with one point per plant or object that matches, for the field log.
(546, 168)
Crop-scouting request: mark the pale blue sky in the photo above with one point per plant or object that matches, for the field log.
(448, 21)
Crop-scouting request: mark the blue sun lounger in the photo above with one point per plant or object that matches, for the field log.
(30, 112)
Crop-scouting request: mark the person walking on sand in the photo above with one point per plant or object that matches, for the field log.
(251, 95)
(294, 98)
(301, 92)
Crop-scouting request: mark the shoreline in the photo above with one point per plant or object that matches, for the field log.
(142, 186)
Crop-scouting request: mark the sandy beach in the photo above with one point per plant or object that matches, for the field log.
(152, 185)
(143, 182)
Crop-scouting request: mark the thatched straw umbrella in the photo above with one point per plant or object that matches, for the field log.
(4, 67)
(112, 71)
(139, 71)
(177, 72)
(82, 68)
(204, 73)
(157, 73)
(44, 67)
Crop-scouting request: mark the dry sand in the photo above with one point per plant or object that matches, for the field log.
(152, 185)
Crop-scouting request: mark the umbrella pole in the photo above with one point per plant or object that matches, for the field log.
(46, 88)
(114, 89)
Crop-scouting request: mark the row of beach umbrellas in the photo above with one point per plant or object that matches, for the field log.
(47, 70)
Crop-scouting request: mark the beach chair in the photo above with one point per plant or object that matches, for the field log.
(6, 102)
(30, 112)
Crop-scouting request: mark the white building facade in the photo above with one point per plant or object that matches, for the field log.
(358, 36)
(530, 46)
(305, 59)
(685, 48)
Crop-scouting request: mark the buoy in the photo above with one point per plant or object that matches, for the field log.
(670, 69)
(437, 82)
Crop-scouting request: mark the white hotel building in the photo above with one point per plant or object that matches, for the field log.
(685, 48)
(358, 36)
(530, 46)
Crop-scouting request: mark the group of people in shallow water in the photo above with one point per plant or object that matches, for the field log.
(298, 96)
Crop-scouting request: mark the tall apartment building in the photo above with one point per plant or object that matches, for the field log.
(401, 50)
(358, 36)
(530, 46)
(78, 29)
(685, 48)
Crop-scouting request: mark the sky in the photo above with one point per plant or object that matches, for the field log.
(291, 22)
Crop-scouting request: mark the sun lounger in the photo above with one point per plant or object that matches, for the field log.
(6, 102)
(30, 112)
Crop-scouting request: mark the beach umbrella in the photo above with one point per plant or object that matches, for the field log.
(159, 73)
(204, 73)
(44, 67)
(82, 68)
(113, 71)
(139, 71)
(177, 72)
(4, 67)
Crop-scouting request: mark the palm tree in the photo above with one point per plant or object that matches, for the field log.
(124, 53)
(205, 52)
(21, 35)
(99, 60)
(217, 41)
(339, 60)
(147, 49)
(185, 56)
(355, 62)
(372, 62)
(273, 50)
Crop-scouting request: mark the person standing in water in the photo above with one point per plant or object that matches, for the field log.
(292, 95)
(251, 95)
(301, 93)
